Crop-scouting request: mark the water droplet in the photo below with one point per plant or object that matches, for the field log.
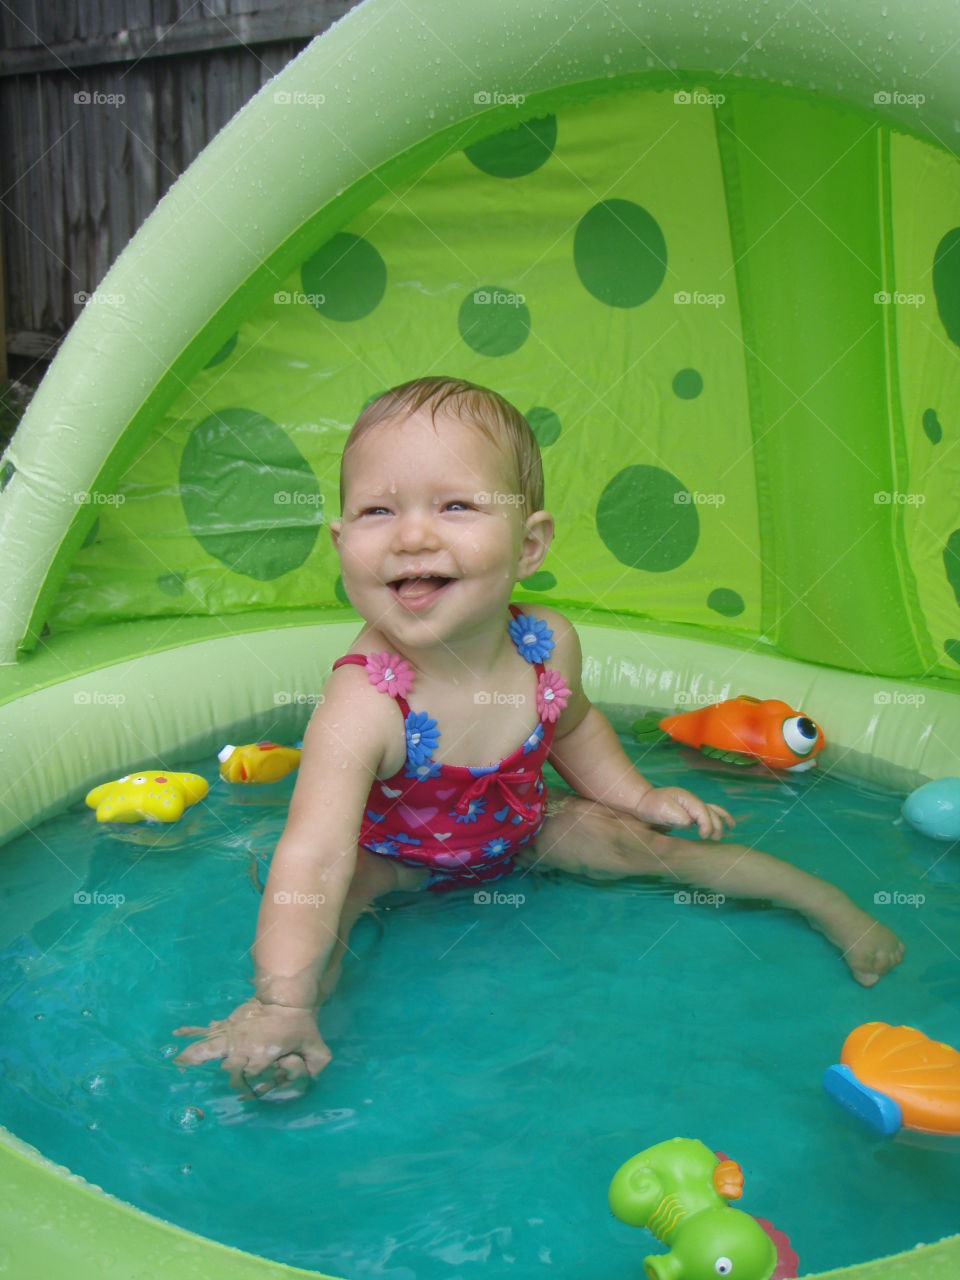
(186, 1168)
(99, 1083)
(187, 1119)
(39, 1016)
(86, 1013)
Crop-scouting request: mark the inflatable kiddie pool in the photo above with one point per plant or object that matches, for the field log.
(711, 251)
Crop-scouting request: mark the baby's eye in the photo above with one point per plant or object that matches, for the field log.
(457, 502)
(373, 511)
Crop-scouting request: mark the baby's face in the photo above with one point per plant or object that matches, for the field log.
(440, 505)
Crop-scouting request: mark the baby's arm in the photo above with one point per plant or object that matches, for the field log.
(307, 884)
(588, 756)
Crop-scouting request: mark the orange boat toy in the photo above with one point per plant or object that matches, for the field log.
(257, 762)
(893, 1077)
(743, 731)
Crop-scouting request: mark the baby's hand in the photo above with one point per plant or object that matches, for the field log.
(255, 1037)
(674, 807)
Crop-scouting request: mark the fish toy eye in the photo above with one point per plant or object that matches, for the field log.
(800, 735)
(723, 1266)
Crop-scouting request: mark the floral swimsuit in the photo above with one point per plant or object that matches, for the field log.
(464, 823)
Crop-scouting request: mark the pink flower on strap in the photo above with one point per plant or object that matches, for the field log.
(389, 673)
(552, 695)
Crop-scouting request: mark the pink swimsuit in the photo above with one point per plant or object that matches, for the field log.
(464, 823)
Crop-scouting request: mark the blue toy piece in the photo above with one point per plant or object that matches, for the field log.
(869, 1105)
(934, 809)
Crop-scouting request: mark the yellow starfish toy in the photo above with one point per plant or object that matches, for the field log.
(156, 797)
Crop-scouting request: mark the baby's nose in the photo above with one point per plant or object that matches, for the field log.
(415, 529)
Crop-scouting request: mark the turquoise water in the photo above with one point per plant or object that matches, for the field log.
(493, 1065)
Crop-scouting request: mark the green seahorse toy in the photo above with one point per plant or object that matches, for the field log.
(679, 1190)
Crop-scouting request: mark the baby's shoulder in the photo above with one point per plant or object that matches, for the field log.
(566, 656)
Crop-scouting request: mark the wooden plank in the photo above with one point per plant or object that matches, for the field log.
(190, 35)
(38, 346)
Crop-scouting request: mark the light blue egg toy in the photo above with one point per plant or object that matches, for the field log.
(934, 809)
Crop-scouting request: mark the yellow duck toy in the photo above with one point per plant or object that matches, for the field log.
(257, 762)
(151, 796)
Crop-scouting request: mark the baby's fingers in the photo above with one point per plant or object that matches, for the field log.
(202, 1051)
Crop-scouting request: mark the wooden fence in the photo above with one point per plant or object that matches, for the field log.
(103, 103)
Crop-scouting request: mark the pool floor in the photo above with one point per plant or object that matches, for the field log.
(493, 1064)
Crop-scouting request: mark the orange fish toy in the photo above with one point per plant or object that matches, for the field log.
(256, 762)
(742, 731)
(896, 1077)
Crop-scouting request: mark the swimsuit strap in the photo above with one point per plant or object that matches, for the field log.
(361, 660)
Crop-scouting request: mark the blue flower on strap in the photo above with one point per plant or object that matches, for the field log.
(422, 737)
(533, 638)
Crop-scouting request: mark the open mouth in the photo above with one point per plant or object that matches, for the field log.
(421, 588)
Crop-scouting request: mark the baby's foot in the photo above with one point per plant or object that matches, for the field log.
(868, 946)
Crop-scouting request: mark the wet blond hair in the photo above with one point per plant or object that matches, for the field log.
(472, 405)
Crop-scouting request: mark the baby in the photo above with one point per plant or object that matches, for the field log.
(441, 490)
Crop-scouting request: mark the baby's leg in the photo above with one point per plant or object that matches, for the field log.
(591, 839)
(373, 876)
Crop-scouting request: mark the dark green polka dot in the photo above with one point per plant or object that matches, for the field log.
(946, 282)
(6, 474)
(687, 384)
(542, 580)
(345, 279)
(620, 253)
(219, 356)
(951, 562)
(249, 495)
(493, 321)
(726, 602)
(544, 424)
(515, 152)
(339, 592)
(171, 584)
(931, 425)
(647, 520)
(92, 532)
(952, 649)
